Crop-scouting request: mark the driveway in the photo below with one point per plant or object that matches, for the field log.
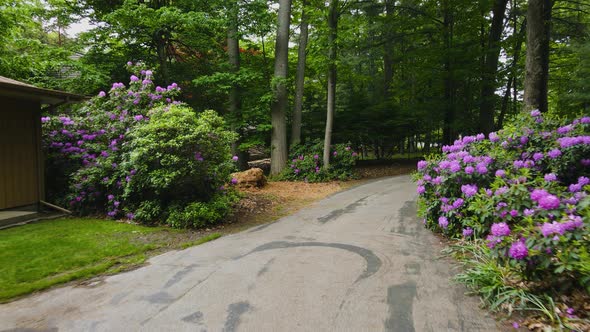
(356, 261)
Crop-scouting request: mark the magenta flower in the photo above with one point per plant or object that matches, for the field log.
(554, 153)
(549, 202)
(443, 222)
(500, 229)
(494, 137)
(518, 250)
(469, 189)
(548, 229)
(467, 232)
(420, 190)
(102, 94)
(234, 181)
(422, 164)
(550, 177)
(537, 194)
(235, 158)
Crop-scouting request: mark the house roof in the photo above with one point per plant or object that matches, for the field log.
(19, 90)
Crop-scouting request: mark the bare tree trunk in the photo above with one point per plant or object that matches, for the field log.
(333, 27)
(449, 83)
(537, 54)
(388, 50)
(278, 139)
(161, 40)
(512, 78)
(235, 102)
(300, 78)
(488, 86)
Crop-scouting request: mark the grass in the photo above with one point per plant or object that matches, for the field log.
(39, 255)
(496, 283)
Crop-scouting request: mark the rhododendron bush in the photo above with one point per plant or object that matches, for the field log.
(307, 163)
(136, 153)
(524, 191)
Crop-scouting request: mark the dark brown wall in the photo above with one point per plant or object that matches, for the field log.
(21, 175)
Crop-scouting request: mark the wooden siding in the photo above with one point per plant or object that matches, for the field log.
(20, 171)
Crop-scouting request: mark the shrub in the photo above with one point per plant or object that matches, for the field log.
(525, 190)
(307, 163)
(135, 152)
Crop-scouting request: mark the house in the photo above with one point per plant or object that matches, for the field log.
(21, 158)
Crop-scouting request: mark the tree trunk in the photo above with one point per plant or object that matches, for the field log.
(512, 78)
(333, 33)
(278, 140)
(300, 78)
(388, 50)
(449, 116)
(235, 102)
(161, 40)
(488, 84)
(537, 55)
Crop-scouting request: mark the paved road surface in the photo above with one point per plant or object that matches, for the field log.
(357, 261)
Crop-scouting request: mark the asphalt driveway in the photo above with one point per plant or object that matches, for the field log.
(357, 261)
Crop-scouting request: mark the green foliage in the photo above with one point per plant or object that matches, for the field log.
(307, 164)
(200, 214)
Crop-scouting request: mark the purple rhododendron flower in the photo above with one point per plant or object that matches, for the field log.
(535, 113)
(500, 173)
(422, 164)
(443, 222)
(494, 137)
(420, 190)
(235, 158)
(528, 212)
(575, 187)
(537, 194)
(550, 177)
(467, 232)
(548, 229)
(111, 197)
(537, 156)
(481, 168)
(501, 191)
(492, 241)
(458, 203)
(234, 181)
(102, 94)
(554, 153)
(518, 250)
(582, 181)
(549, 202)
(469, 189)
(500, 229)
(455, 166)
(585, 162)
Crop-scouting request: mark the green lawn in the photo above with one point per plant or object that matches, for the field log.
(39, 255)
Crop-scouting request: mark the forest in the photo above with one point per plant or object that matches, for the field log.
(387, 77)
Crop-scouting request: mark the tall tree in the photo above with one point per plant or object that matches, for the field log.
(278, 140)
(331, 102)
(235, 100)
(490, 68)
(537, 54)
(300, 76)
